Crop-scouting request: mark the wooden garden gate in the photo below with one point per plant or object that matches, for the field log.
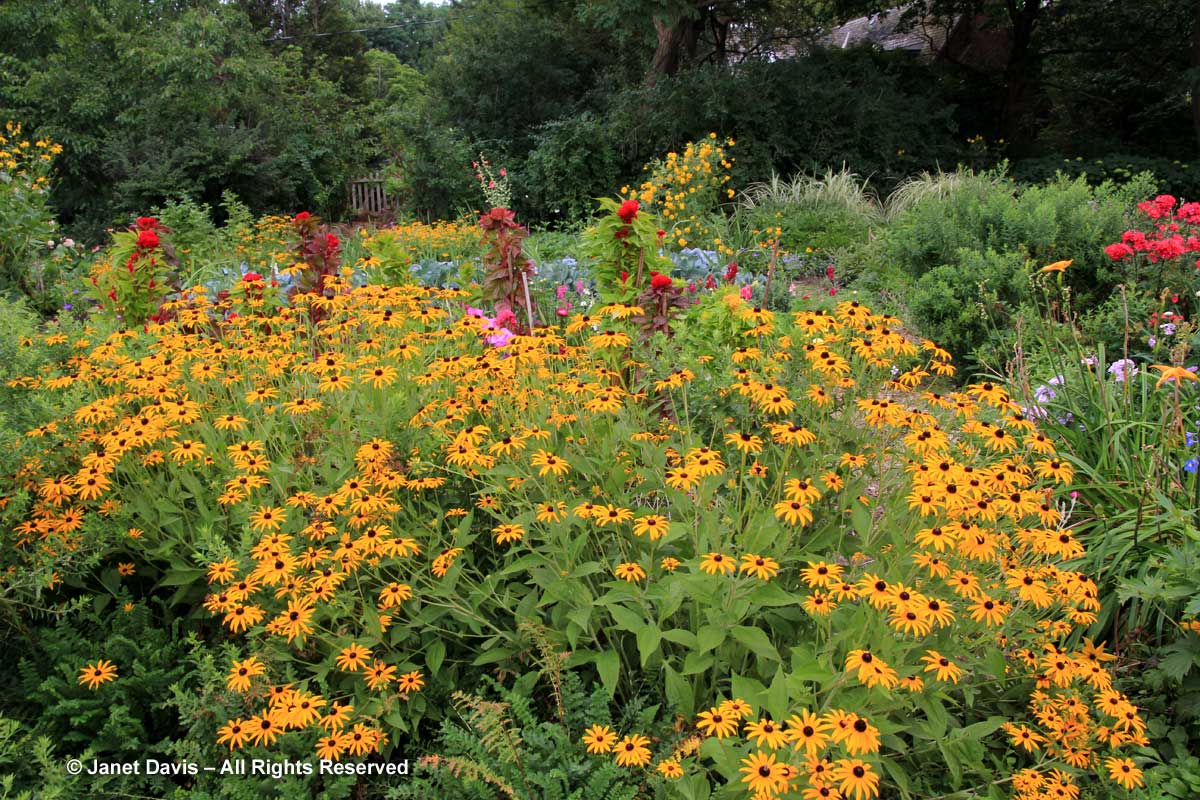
(367, 194)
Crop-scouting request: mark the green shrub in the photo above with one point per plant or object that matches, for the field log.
(937, 219)
(814, 214)
(1169, 175)
(966, 303)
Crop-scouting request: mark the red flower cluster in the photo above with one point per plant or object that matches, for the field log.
(303, 217)
(628, 211)
(1176, 232)
(658, 281)
(147, 239)
(146, 223)
(250, 277)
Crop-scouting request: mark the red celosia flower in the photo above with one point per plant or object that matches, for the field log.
(252, 276)
(731, 272)
(147, 223)
(658, 281)
(628, 211)
(1119, 251)
(302, 217)
(147, 240)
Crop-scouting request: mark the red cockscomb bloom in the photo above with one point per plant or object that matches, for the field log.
(147, 240)
(628, 211)
(658, 281)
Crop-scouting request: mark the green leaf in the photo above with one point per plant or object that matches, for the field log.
(1180, 661)
(770, 595)
(747, 689)
(777, 694)
(181, 577)
(627, 619)
(995, 663)
(371, 618)
(492, 656)
(435, 654)
(679, 692)
(756, 640)
(697, 662)
(608, 664)
(648, 640)
(680, 636)
(709, 637)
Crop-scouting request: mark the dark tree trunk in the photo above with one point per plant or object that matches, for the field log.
(676, 42)
(1020, 76)
(1196, 68)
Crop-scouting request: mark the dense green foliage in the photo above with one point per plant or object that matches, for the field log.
(284, 103)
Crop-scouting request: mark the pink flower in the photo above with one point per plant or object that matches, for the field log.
(503, 173)
(560, 292)
(747, 292)
(504, 316)
(499, 339)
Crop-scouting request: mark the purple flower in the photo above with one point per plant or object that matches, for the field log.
(1122, 369)
(1191, 465)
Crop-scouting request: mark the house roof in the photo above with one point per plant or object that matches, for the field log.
(883, 30)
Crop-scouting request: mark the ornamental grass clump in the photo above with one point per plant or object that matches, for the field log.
(832, 577)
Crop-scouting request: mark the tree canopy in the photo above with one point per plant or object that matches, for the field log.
(284, 101)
